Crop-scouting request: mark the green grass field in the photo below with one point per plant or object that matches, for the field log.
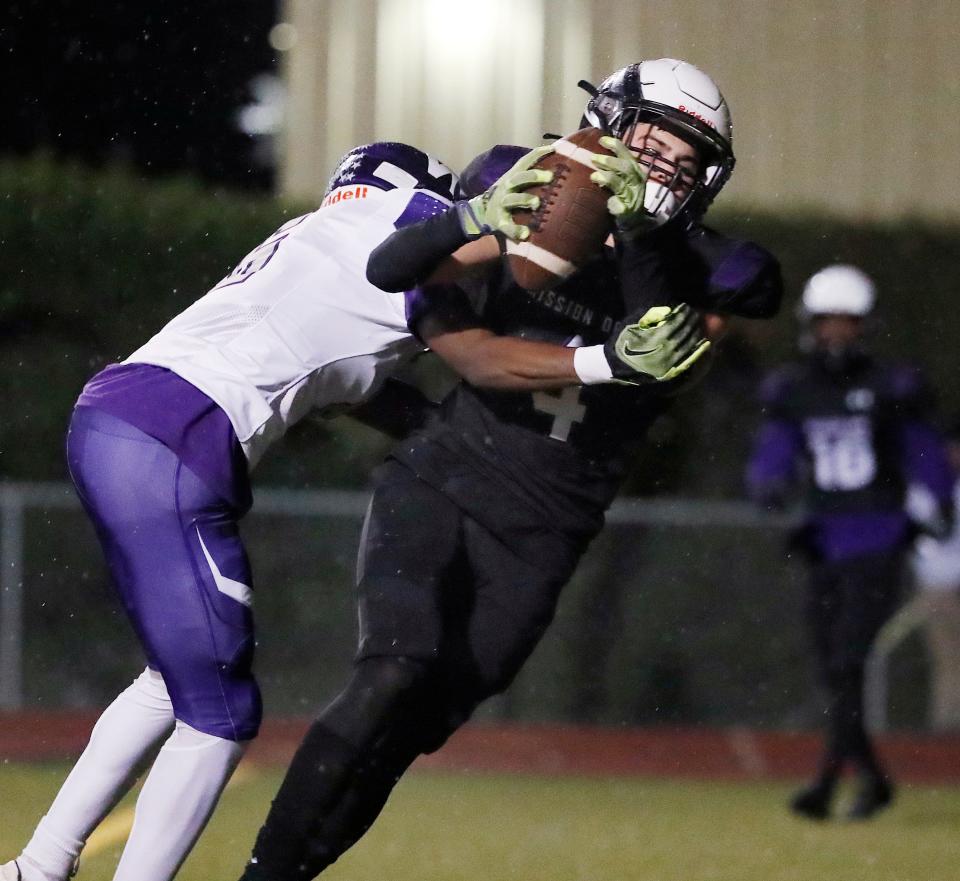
(441, 827)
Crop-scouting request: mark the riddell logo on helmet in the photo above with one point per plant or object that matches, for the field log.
(342, 194)
(684, 109)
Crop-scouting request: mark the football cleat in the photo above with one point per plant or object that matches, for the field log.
(813, 802)
(875, 794)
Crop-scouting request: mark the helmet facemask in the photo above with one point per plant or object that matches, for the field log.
(670, 185)
(620, 105)
(665, 177)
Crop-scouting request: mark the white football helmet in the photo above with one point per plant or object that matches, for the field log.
(678, 97)
(839, 290)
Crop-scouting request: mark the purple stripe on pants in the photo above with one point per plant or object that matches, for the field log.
(175, 554)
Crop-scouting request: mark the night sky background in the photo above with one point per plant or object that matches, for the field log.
(156, 85)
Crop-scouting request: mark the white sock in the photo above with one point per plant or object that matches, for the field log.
(122, 738)
(177, 799)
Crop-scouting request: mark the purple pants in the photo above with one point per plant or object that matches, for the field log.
(177, 560)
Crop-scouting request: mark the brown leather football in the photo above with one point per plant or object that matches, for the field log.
(572, 221)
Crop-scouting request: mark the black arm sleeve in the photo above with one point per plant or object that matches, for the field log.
(646, 279)
(701, 267)
(409, 255)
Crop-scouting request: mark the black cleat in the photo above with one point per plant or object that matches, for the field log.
(813, 802)
(874, 795)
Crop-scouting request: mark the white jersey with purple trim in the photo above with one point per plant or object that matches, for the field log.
(296, 326)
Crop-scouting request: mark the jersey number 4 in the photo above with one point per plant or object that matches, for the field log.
(565, 408)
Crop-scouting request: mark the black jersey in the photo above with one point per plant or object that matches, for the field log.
(539, 459)
(850, 423)
(554, 460)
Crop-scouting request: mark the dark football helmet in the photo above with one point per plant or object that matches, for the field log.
(388, 165)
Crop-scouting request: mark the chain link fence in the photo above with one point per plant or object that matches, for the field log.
(683, 611)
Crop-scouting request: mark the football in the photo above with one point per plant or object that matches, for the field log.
(572, 221)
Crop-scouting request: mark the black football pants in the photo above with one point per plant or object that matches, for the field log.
(848, 603)
(448, 615)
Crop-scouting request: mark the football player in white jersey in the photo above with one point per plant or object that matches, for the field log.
(160, 447)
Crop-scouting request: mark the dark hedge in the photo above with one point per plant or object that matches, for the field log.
(94, 262)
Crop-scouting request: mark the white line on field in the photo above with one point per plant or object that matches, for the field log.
(115, 828)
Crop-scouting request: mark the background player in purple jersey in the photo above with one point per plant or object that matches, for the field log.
(855, 429)
(479, 519)
(160, 446)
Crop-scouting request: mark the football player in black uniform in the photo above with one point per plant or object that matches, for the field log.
(861, 428)
(478, 520)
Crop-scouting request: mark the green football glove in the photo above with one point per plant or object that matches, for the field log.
(663, 345)
(627, 180)
(491, 211)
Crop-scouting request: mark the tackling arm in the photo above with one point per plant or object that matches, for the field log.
(435, 250)
(430, 255)
(458, 242)
(446, 322)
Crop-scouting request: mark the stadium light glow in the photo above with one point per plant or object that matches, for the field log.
(452, 69)
(469, 25)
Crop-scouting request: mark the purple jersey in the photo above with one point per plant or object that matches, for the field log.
(856, 438)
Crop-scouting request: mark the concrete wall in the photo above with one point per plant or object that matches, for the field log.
(848, 106)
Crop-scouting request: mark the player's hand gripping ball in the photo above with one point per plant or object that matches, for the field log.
(492, 211)
(570, 220)
(626, 178)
